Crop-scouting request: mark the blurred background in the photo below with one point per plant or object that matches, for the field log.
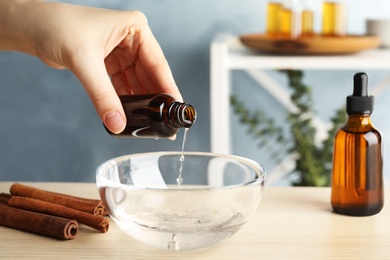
(50, 131)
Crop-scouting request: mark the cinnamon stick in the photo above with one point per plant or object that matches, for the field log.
(38, 223)
(22, 190)
(100, 208)
(97, 222)
(4, 197)
(93, 201)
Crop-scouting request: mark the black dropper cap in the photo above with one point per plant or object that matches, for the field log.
(360, 102)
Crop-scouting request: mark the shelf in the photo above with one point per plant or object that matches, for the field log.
(228, 53)
(241, 57)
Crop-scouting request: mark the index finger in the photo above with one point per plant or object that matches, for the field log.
(156, 66)
(142, 51)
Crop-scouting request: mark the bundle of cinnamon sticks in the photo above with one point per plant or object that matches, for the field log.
(48, 213)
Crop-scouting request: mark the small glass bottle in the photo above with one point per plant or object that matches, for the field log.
(334, 18)
(274, 8)
(155, 116)
(357, 178)
(307, 19)
(291, 19)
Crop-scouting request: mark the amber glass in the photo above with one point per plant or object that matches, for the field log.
(286, 19)
(273, 17)
(307, 22)
(155, 116)
(333, 18)
(357, 181)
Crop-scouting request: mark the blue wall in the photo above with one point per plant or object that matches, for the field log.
(49, 130)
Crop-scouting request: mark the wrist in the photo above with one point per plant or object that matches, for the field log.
(16, 24)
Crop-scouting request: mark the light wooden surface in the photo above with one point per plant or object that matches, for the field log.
(291, 223)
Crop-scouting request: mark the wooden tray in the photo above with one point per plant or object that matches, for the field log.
(310, 45)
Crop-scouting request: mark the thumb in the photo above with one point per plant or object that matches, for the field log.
(93, 76)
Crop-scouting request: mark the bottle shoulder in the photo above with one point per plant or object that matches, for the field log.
(359, 130)
(370, 136)
(359, 124)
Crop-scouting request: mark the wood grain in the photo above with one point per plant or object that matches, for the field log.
(291, 223)
(310, 45)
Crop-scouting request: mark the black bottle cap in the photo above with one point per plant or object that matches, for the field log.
(360, 102)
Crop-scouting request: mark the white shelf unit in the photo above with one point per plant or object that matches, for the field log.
(227, 53)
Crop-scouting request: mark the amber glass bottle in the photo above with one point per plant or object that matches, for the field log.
(291, 19)
(155, 116)
(307, 22)
(307, 19)
(334, 21)
(357, 178)
(286, 19)
(274, 8)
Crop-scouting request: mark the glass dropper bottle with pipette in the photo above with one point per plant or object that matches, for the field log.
(357, 177)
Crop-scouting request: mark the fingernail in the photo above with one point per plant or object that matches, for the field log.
(114, 121)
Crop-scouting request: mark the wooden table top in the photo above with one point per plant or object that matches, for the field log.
(291, 223)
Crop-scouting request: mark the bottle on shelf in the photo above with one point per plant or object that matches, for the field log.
(155, 116)
(357, 178)
(274, 8)
(291, 19)
(307, 18)
(334, 18)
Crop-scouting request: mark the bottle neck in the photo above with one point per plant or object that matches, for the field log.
(358, 123)
(363, 119)
(182, 115)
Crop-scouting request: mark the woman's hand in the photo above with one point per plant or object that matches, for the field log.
(111, 52)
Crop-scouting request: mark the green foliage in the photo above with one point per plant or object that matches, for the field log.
(314, 161)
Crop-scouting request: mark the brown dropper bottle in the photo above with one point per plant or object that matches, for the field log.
(357, 178)
(155, 116)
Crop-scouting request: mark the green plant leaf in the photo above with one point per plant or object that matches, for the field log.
(313, 163)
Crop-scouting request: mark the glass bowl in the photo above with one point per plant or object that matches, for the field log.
(170, 203)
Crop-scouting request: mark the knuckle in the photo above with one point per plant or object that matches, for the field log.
(102, 98)
(139, 16)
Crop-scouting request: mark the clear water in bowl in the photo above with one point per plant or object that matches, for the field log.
(177, 217)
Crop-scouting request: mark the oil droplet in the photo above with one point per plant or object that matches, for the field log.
(179, 180)
(173, 244)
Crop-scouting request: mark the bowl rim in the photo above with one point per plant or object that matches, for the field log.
(260, 170)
